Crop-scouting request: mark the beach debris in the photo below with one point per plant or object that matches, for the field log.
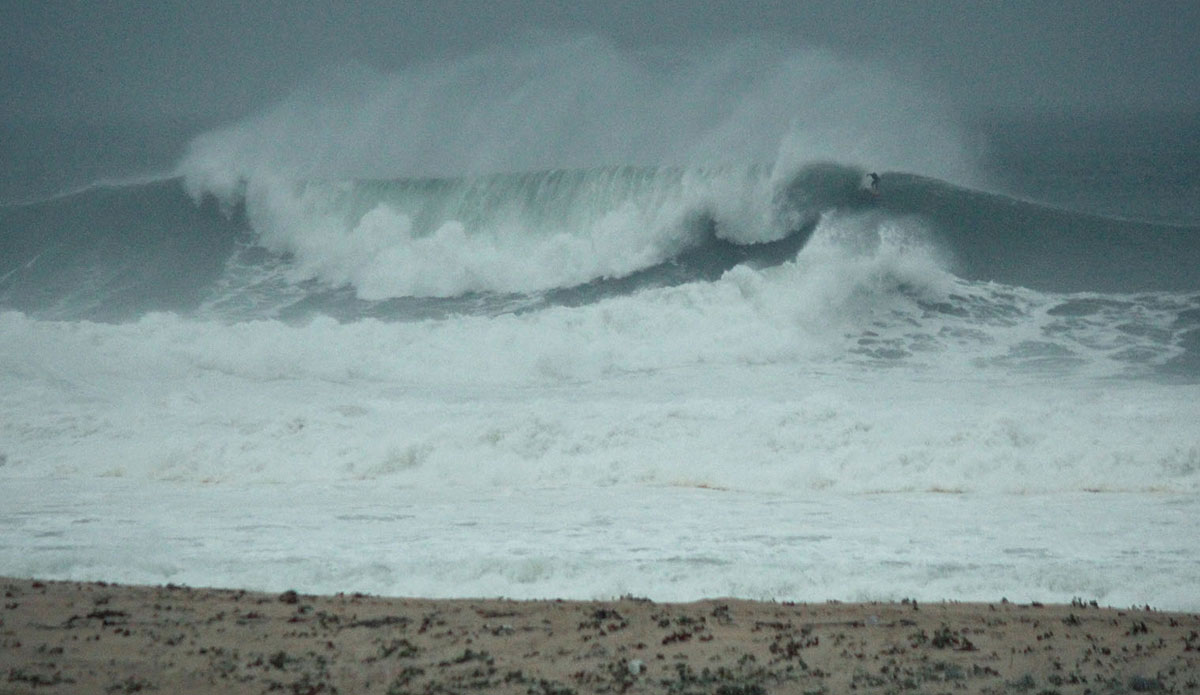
(154, 636)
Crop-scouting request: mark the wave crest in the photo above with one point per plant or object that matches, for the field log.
(529, 232)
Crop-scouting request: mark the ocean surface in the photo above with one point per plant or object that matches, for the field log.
(708, 376)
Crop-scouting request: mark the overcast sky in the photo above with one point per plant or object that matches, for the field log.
(211, 60)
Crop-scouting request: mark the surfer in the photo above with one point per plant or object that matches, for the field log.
(873, 186)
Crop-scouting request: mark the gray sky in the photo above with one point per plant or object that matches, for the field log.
(211, 60)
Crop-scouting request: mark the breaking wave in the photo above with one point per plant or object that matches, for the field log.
(562, 236)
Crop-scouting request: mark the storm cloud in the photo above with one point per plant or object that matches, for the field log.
(213, 60)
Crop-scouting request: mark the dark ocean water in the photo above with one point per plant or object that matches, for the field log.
(46, 158)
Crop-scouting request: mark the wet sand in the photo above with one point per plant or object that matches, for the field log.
(71, 637)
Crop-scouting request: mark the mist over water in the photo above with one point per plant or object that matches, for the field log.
(581, 103)
(579, 279)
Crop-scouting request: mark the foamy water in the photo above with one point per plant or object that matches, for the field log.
(493, 375)
(693, 441)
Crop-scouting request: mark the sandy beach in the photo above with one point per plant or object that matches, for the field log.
(72, 637)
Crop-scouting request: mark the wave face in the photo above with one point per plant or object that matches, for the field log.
(994, 237)
(114, 253)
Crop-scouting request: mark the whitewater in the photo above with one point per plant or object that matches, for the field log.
(564, 322)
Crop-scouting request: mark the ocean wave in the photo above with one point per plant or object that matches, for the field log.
(413, 248)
